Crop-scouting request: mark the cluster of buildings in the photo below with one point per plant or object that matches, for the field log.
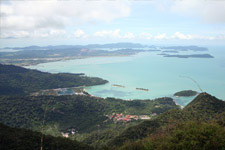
(69, 132)
(61, 91)
(116, 118)
(127, 118)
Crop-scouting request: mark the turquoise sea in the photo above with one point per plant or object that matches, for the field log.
(163, 76)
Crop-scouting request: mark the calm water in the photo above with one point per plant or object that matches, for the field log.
(161, 75)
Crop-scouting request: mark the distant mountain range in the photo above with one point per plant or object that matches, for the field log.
(108, 46)
(111, 45)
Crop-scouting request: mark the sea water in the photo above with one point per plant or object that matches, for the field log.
(163, 76)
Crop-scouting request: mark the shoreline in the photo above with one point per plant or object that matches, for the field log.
(48, 60)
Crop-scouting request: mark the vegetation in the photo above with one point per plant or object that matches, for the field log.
(203, 108)
(189, 56)
(186, 48)
(82, 113)
(200, 125)
(32, 55)
(186, 93)
(85, 114)
(185, 136)
(88, 119)
(35, 55)
(20, 81)
(22, 139)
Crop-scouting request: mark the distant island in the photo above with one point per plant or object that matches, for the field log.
(170, 51)
(186, 48)
(189, 56)
(185, 93)
(33, 55)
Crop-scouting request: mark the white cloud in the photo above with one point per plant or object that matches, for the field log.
(43, 33)
(128, 35)
(80, 34)
(181, 36)
(13, 34)
(212, 11)
(116, 34)
(55, 32)
(145, 35)
(27, 15)
(30, 15)
(54, 13)
(161, 36)
(209, 11)
(108, 33)
(221, 37)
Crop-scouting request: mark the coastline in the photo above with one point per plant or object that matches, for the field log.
(36, 61)
(125, 93)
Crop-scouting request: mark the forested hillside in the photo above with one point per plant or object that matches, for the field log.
(103, 123)
(80, 112)
(203, 109)
(183, 136)
(20, 81)
(22, 139)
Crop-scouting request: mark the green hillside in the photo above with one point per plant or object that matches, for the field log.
(86, 115)
(183, 136)
(22, 139)
(103, 123)
(80, 112)
(186, 93)
(203, 108)
(20, 81)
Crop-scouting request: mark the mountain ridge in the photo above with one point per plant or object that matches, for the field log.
(211, 108)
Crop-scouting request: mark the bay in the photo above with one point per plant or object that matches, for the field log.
(163, 76)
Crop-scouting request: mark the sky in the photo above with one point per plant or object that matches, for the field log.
(72, 22)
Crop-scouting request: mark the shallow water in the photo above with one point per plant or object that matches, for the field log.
(161, 75)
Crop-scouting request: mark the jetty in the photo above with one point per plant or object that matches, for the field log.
(143, 89)
(117, 85)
